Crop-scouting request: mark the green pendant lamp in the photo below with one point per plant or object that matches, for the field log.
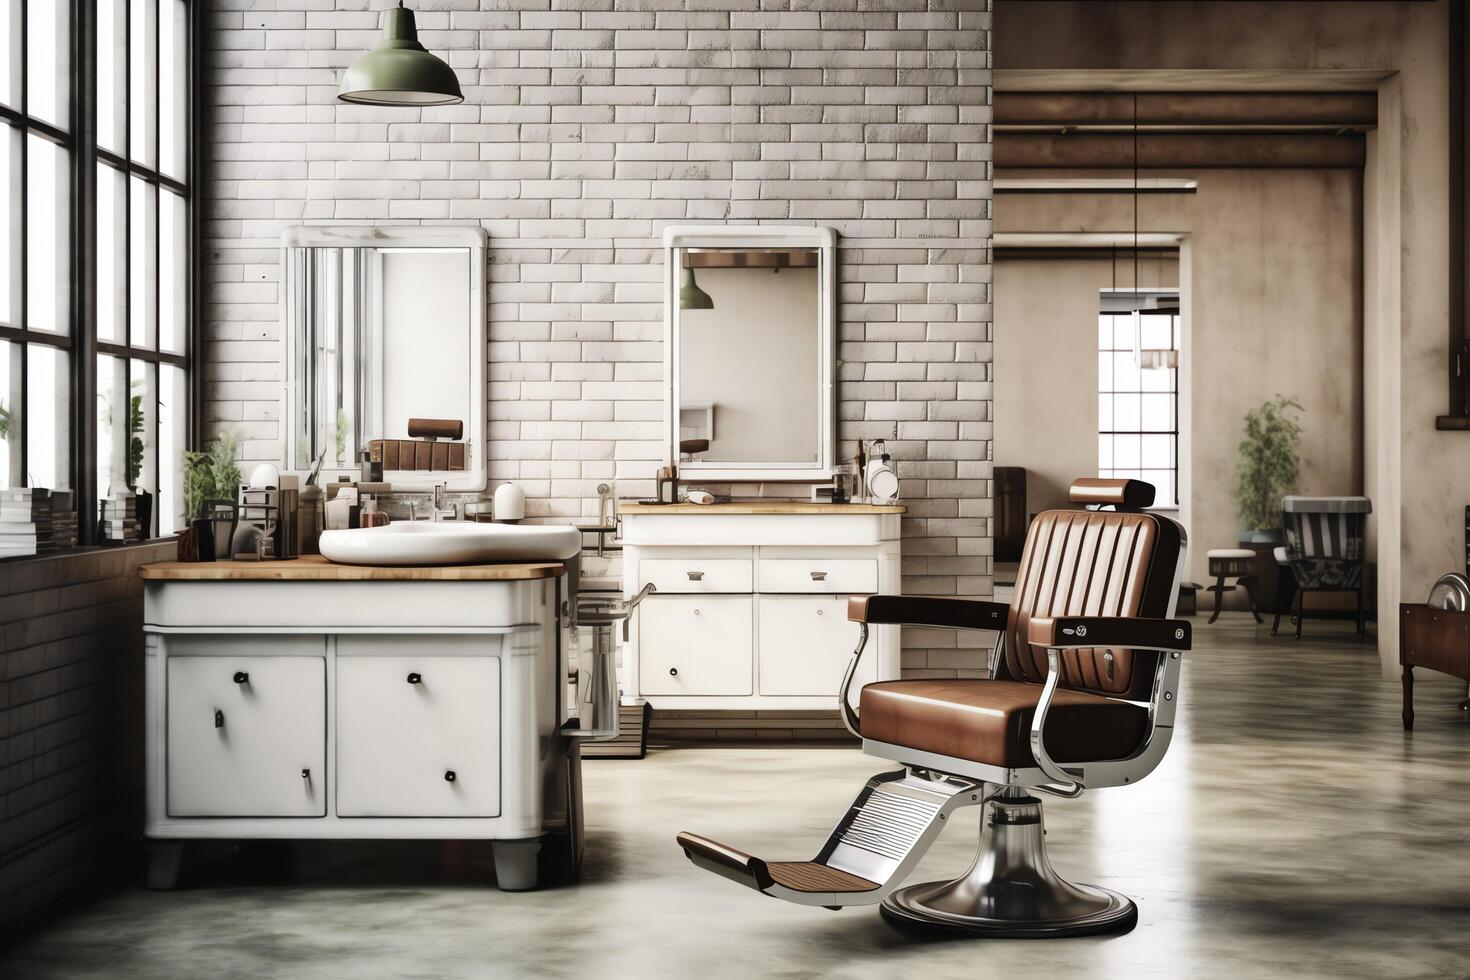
(691, 297)
(399, 72)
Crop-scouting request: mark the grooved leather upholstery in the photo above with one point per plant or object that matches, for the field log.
(1075, 563)
(1091, 563)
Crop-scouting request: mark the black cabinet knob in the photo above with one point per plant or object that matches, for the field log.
(415, 678)
(219, 718)
(306, 774)
(241, 677)
(673, 671)
(449, 776)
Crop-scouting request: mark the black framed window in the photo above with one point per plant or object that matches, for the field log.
(1138, 400)
(95, 296)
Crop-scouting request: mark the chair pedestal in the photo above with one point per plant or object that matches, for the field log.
(1011, 889)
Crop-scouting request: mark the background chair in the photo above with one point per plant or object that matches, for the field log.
(1324, 546)
(1085, 679)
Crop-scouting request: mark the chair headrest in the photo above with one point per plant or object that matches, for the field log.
(1122, 494)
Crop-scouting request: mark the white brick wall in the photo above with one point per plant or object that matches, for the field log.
(587, 126)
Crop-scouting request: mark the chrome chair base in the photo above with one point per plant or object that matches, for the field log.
(1011, 889)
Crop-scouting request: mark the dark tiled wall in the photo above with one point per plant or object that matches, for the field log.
(70, 722)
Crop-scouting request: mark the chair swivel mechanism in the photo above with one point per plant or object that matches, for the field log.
(1085, 680)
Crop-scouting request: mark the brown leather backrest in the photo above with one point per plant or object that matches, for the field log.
(1093, 563)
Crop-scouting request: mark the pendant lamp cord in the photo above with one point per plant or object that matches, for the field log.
(1135, 193)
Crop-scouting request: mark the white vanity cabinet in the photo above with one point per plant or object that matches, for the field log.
(300, 699)
(750, 607)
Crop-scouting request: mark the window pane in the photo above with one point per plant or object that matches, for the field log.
(112, 393)
(112, 79)
(143, 83)
(10, 418)
(48, 428)
(173, 421)
(112, 218)
(1157, 451)
(47, 214)
(10, 54)
(9, 226)
(1125, 413)
(142, 263)
(48, 93)
(1125, 451)
(1158, 413)
(173, 88)
(173, 259)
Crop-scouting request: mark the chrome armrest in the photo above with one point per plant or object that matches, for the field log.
(849, 715)
(1167, 637)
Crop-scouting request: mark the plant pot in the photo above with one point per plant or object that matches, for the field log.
(203, 539)
(1263, 535)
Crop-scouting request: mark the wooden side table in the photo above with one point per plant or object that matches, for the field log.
(1232, 563)
(1436, 639)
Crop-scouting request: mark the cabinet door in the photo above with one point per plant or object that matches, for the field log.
(418, 729)
(695, 645)
(247, 733)
(806, 643)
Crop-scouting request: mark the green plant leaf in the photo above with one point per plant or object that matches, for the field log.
(1269, 461)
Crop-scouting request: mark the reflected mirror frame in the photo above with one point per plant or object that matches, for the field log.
(824, 241)
(473, 479)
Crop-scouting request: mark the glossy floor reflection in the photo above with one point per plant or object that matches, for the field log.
(1294, 830)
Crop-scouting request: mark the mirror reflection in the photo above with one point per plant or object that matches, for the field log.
(749, 343)
(378, 337)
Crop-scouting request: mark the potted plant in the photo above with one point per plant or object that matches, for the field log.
(144, 505)
(1267, 468)
(210, 475)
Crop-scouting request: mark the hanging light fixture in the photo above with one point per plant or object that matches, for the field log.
(399, 71)
(691, 297)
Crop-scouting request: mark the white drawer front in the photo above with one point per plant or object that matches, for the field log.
(829, 575)
(247, 734)
(418, 735)
(690, 645)
(696, 575)
(806, 643)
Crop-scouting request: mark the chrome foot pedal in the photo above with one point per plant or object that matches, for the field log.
(877, 842)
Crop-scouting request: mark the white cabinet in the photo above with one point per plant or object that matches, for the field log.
(247, 728)
(806, 643)
(820, 574)
(750, 611)
(417, 727)
(697, 574)
(696, 645)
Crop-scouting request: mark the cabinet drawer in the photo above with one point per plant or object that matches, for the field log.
(247, 733)
(695, 645)
(696, 575)
(806, 643)
(418, 732)
(830, 575)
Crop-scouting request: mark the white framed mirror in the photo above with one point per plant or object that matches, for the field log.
(750, 352)
(384, 336)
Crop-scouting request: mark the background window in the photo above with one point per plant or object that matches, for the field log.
(95, 348)
(1138, 404)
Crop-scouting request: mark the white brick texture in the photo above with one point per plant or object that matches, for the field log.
(589, 125)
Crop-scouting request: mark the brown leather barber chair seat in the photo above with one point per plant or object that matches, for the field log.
(1085, 675)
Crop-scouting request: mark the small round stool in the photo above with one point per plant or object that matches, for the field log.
(1231, 563)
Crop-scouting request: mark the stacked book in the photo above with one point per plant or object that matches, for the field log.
(119, 517)
(63, 520)
(25, 522)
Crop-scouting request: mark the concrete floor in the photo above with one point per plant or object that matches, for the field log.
(1293, 830)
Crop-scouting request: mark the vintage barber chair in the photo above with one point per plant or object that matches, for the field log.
(1085, 683)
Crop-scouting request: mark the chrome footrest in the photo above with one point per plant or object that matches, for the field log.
(880, 838)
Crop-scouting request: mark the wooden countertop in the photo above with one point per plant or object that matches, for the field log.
(786, 507)
(315, 568)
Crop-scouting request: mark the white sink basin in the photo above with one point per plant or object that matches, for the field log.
(450, 543)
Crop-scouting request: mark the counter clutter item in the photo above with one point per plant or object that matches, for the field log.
(510, 503)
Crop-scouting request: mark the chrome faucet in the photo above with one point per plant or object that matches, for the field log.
(438, 511)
